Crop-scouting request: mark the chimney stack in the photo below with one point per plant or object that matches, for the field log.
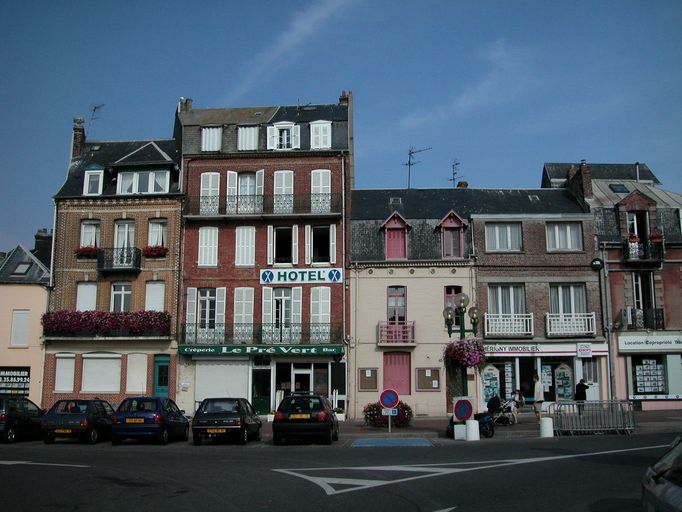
(463, 184)
(344, 98)
(185, 105)
(78, 137)
(43, 246)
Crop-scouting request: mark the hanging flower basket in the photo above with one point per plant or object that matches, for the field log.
(465, 353)
(89, 252)
(155, 251)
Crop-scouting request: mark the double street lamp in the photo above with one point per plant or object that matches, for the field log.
(449, 314)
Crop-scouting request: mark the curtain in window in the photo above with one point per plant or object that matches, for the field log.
(566, 299)
(506, 299)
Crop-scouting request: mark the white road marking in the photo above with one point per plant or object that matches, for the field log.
(331, 485)
(29, 463)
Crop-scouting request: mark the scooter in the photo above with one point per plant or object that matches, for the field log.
(486, 425)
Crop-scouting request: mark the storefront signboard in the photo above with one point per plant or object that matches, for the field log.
(650, 342)
(584, 350)
(271, 350)
(15, 380)
(301, 276)
(512, 349)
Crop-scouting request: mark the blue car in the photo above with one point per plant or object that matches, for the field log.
(147, 417)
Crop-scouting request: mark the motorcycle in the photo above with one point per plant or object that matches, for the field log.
(486, 425)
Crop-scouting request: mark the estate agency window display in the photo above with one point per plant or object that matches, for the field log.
(648, 375)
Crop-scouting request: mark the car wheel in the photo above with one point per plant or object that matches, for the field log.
(115, 440)
(276, 440)
(259, 435)
(335, 435)
(163, 436)
(328, 437)
(487, 431)
(196, 439)
(10, 435)
(91, 436)
(185, 434)
(48, 438)
(243, 436)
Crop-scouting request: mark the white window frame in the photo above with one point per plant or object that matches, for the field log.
(275, 140)
(211, 138)
(101, 373)
(86, 182)
(208, 247)
(86, 296)
(90, 239)
(283, 198)
(310, 243)
(272, 244)
(64, 372)
(245, 246)
(135, 178)
(577, 298)
(247, 138)
(320, 191)
(158, 233)
(510, 292)
(155, 296)
(20, 328)
(124, 294)
(498, 236)
(320, 135)
(561, 237)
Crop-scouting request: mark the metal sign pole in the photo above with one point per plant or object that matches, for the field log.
(389, 423)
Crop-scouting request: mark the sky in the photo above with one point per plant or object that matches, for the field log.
(499, 86)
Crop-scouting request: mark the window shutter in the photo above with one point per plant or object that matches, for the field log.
(86, 296)
(259, 182)
(154, 297)
(308, 243)
(332, 243)
(320, 304)
(19, 334)
(191, 311)
(267, 305)
(232, 192)
(294, 244)
(272, 137)
(325, 136)
(296, 136)
(315, 131)
(243, 305)
(270, 246)
(220, 306)
(296, 295)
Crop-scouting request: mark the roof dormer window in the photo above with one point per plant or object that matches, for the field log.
(143, 182)
(452, 235)
(284, 136)
(92, 185)
(320, 135)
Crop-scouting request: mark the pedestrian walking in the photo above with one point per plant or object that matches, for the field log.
(581, 395)
(538, 396)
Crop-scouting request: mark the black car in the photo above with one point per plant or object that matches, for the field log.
(87, 420)
(226, 417)
(19, 418)
(662, 482)
(305, 415)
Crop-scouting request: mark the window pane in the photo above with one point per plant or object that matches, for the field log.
(125, 182)
(142, 182)
(161, 181)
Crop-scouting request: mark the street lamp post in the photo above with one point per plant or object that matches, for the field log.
(449, 314)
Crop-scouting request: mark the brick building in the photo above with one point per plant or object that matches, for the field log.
(638, 228)
(110, 330)
(263, 296)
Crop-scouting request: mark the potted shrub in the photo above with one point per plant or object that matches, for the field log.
(88, 252)
(155, 251)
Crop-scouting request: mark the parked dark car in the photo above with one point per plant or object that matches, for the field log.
(225, 418)
(149, 417)
(87, 420)
(19, 418)
(662, 482)
(305, 415)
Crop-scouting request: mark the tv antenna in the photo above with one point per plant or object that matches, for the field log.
(455, 173)
(93, 113)
(410, 162)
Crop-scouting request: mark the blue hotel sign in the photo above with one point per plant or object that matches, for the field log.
(301, 276)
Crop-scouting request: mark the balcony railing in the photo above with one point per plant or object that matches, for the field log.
(271, 204)
(570, 324)
(391, 333)
(119, 259)
(256, 334)
(635, 318)
(514, 325)
(643, 251)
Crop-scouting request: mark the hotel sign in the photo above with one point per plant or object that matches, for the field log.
(650, 342)
(261, 350)
(301, 276)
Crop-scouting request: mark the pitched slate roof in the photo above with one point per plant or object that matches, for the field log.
(243, 116)
(558, 171)
(117, 155)
(22, 267)
(435, 203)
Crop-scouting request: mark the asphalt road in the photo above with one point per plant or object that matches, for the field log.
(595, 473)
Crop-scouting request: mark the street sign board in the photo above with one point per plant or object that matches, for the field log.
(389, 398)
(389, 412)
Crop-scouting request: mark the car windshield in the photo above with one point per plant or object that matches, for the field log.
(138, 405)
(301, 403)
(218, 406)
(70, 407)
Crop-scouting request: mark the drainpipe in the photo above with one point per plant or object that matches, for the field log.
(345, 277)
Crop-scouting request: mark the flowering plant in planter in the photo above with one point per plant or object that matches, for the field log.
(633, 238)
(105, 323)
(88, 252)
(465, 353)
(155, 251)
(655, 235)
(373, 416)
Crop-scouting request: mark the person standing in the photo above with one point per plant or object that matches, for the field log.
(538, 396)
(581, 395)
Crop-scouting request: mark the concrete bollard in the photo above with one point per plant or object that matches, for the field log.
(460, 432)
(473, 433)
(546, 427)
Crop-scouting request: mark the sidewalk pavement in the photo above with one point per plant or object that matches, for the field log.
(648, 422)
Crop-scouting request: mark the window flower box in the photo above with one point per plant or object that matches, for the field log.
(105, 323)
(88, 253)
(155, 251)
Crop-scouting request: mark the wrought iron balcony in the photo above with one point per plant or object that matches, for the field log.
(570, 324)
(271, 204)
(119, 259)
(210, 333)
(513, 325)
(644, 251)
(395, 333)
(635, 318)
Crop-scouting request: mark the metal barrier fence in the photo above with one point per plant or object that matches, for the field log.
(593, 417)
